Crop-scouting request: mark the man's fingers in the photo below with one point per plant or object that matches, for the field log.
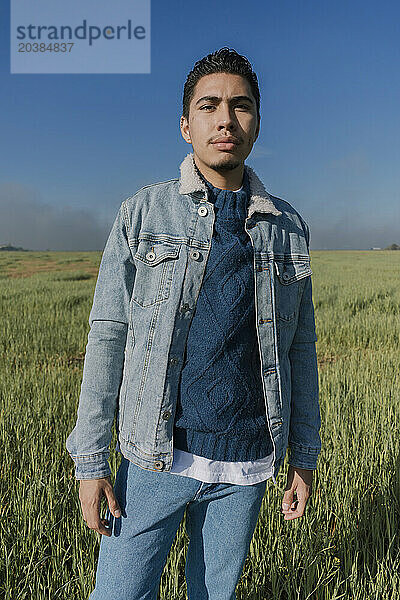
(112, 501)
(299, 483)
(93, 520)
(90, 494)
(297, 508)
(287, 501)
(298, 512)
(91, 510)
(103, 527)
(100, 527)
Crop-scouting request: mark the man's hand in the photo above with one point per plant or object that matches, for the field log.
(91, 492)
(299, 482)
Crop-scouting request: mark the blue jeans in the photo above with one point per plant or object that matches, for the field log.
(220, 522)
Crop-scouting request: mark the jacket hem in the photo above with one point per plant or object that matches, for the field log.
(157, 462)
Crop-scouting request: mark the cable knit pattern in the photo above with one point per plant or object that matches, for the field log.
(220, 409)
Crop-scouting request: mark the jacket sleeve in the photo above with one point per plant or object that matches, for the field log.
(88, 443)
(305, 420)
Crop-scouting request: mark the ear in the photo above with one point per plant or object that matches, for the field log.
(185, 131)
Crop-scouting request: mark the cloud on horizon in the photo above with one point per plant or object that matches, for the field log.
(27, 221)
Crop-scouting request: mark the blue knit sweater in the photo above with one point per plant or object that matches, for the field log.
(220, 410)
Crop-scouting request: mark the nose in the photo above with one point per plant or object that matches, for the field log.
(226, 117)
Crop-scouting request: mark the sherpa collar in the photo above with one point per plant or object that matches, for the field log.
(260, 200)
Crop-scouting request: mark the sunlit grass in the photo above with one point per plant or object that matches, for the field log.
(346, 545)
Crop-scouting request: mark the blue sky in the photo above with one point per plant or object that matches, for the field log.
(74, 146)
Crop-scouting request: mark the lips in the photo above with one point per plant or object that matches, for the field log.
(226, 140)
(225, 143)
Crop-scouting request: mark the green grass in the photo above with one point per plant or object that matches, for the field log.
(346, 546)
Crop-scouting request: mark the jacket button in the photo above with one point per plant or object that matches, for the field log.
(166, 415)
(150, 256)
(185, 307)
(202, 211)
(195, 254)
(286, 276)
(159, 464)
(174, 360)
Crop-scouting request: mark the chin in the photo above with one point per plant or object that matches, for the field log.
(226, 162)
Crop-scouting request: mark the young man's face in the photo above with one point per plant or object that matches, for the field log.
(229, 111)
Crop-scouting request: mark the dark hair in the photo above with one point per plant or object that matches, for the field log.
(224, 60)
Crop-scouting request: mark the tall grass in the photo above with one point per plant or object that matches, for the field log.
(346, 545)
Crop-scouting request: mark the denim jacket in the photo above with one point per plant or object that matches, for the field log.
(148, 283)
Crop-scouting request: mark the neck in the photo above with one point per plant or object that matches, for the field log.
(226, 180)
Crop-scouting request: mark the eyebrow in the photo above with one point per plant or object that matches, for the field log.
(217, 98)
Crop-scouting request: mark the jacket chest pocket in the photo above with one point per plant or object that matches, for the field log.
(289, 283)
(155, 265)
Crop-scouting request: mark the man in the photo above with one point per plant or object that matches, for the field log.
(202, 326)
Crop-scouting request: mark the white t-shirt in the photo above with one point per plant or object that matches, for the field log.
(222, 471)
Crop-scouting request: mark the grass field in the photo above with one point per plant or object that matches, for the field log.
(346, 546)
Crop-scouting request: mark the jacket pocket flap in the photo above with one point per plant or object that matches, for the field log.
(290, 271)
(152, 253)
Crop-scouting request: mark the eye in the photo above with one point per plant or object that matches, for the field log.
(206, 106)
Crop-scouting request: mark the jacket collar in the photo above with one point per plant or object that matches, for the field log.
(260, 200)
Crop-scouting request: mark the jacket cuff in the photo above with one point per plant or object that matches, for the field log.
(303, 457)
(94, 466)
